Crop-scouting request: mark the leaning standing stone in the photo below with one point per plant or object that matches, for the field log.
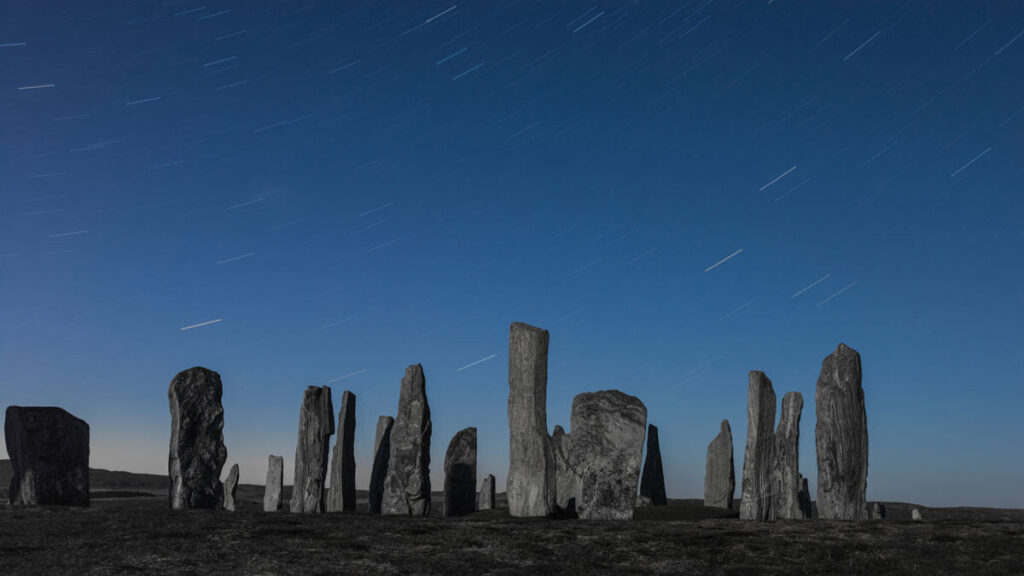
(719, 472)
(841, 435)
(49, 451)
(486, 493)
(342, 495)
(460, 474)
(316, 425)
(230, 486)
(530, 485)
(759, 455)
(381, 455)
(275, 483)
(197, 452)
(652, 482)
(407, 484)
(786, 470)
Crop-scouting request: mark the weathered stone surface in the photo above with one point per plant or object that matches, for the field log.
(786, 469)
(230, 486)
(759, 455)
(316, 425)
(197, 451)
(804, 497)
(643, 501)
(531, 479)
(915, 515)
(877, 511)
(381, 455)
(49, 451)
(486, 501)
(275, 484)
(407, 483)
(719, 471)
(342, 495)
(652, 482)
(567, 482)
(841, 436)
(460, 474)
(608, 438)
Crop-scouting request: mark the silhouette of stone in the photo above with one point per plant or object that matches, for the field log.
(275, 483)
(49, 452)
(381, 455)
(531, 478)
(567, 483)
(786, 470)
(915, 515)
(460, 474)
(407, 483)
(486, 493)
(877, 511)
(197, 451)
(230, 486)
(804, 497)
(758, 458)
(342, 495)
(841, 436)
(316, 425)
(719, 471)
(652, 482)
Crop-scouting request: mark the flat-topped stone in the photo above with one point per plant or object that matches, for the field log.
(407, 483)
(197, 452)
(531, 479)
(275, 484)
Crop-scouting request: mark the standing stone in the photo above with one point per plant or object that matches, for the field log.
(230, 486)
(49, 451)
(567, 485)
(531, 479)
(486, 493)
(342, 495)
(877, 511)
(652, 482)
(381, 454)
(197, 452)
(719, 471)
(275, 484)
(759, 455)
(841, 435)
(316, 424)
(786, 470)
(407, 483)
(608, 438)
(804, 498)
(915, 515)
(460, 474)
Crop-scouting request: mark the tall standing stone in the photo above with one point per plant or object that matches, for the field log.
(381, 455)
(786, 470)
(652, 482)
(49, 451)
(197, 451)
(531, 479)
(486, 501)
(230, 487)
(567, 482)
(407, 483)
(758, 457)
(316, 425)
(275, 484)
(460, 474)
(719, 471)
(342, 495)
(841, 436)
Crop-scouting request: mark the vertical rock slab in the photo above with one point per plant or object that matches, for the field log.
(759, 455)
(531, 481)
(342, 495)
(486, 501)
(915, 515)
(877, 511)
(197, 451)
(407, 483)
(230, 487)
(567, 480)
(460, 474)
(719, 470)
(275, 484)
(804, 497)
(652, 481)
(841, 437)
(786, 469)
(316, 425)
(381, 455)
(49, 452)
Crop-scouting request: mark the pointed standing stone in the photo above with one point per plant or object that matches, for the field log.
(786, 470)
(230, 486)
(197, 451)
(381, 455)
(841, 436)
(567, 484)
(460, 474)
(407, 483)
(342, 495)
(759, 454)
(531, 481)
(275, 483)
(719, 472)
(486, 493)
(316, 425)
(652, 483)
(49, 452)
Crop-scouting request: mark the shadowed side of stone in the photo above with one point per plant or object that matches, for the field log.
(381, 455)
(652, 482)
(230, 487)
(759, 455)
(197, 452)
(786, 469)
(460, 474)
(567, 480)
(531, 481)
(719, 472)
(275, 484)
(49, 451)
(486, 501)
(316, 425)
(407, 483)
(841, 437)
(342, 495)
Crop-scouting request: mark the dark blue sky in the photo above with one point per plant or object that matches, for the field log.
(342, 189)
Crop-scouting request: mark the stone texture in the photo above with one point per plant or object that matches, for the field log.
(407, 483)
(486, 501)
(342, 495)
(275, 484)
(643, 501)
(460, 474)
(230, 486)
(316, 425)
(786, 468)
(841, 436)
(804, 497)
(758, 458)
(567, 483)
(652, 481)
(877, 511)
(197, 451)
(49, 452)
(381, 455)
(531, 479)
(719, 471)
(915, 515)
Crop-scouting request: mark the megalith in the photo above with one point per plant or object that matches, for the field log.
(197, 451)
(460, 474)
(49, 452)
(652, 481)
(841, 437)
(230, 487)
(486, 501)
(786, 470)
(719, 471)
(275, 484)
(342, 495)
(564, 470)
(804, 497)
(381, 455)
(758, 457)
(316, 425)
(407, 483)
(530, 484)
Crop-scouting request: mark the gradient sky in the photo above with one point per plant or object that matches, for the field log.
(351, 187)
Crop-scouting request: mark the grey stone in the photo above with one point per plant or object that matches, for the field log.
(786, 469)
(460, 474)
(342, 495)
(567, 484)
(275, 484)
(381, 455)
(407, 483)
(197, 451)
(915, 515)
(877, 511)
(841, 436)
(804, 497)
(643, 501)
(49, 452)
(316, 425)
(531, 479)
(230, 487)
(759, 456)
(719, 471)
(486, 501)
(652, 481)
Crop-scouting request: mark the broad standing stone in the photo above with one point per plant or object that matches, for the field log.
(759, 455)
(652, 483)
(786, 470)
(567, 481)
(197, 452)
(49, 451)
(407, 484)
(460, 474)
(275, 483)
(531, 480)
(805, 499)
(316, 424)
(719, 472)
(230, 486)
(342, 495)
(486, 493)
(841, 435)
(381, 455)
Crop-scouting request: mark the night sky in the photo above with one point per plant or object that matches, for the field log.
(299, 194)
